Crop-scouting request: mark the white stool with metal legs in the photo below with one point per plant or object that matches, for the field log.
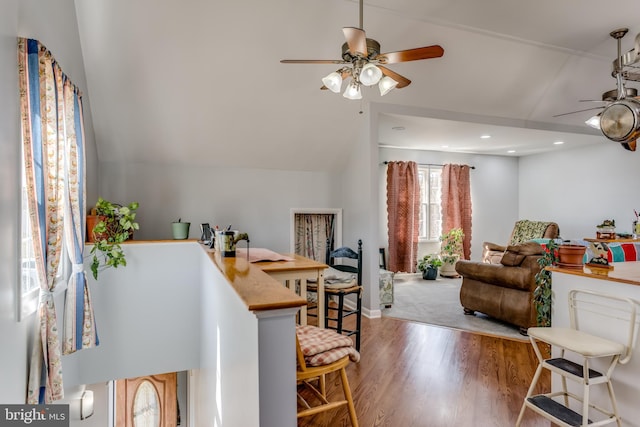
(587, 347)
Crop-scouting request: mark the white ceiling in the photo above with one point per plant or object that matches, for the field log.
(200, 82)
(425, 133)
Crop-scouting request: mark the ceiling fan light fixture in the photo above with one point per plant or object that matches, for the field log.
(333, 82)
(594, 121)
(353, 91)
(386, 84)
(370, 74)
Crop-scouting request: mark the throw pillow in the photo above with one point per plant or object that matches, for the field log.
(528, 248)
(515, 254)
(511, 259)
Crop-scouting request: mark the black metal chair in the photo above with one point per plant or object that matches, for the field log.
(343, 259)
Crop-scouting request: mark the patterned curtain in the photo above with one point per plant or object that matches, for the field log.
(403, 215)
(79, 322)
(52, 134)
(312, 232)
(456, 202)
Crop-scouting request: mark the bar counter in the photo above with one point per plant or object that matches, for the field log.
(623, 280)
(622, 272)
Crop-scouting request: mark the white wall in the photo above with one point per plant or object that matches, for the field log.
(54, 24)
(256, 201)
(579, 188)
(494, 193)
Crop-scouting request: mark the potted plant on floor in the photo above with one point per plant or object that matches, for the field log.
(450, 251)
(114, 224)
(429, 265)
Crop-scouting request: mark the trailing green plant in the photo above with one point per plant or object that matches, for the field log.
(116, 225)
(430, 260)
(542, 294)
(451, 246)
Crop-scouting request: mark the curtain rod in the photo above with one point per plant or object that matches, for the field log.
(429, 164)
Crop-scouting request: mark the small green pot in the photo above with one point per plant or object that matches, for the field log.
(180, 230)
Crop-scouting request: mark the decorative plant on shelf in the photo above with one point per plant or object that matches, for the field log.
(542, 293)
(450, 251)
(429, 265)
(115, 225)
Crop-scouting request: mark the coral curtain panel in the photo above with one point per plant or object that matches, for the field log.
(312, 232)
(403, 215)
(456, 202)
(52, 137)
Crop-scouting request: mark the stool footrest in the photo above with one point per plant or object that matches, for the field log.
(572, 368)
(557, 410)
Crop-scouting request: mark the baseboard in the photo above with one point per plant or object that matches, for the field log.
(366, 312)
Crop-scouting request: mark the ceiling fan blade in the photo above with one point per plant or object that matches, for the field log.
(402, 81)
(578, 111)
(344, 73)
(631, 146)
(356, 40)
(426, 52)
(312, 61)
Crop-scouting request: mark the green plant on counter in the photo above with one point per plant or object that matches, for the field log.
(116, 225)
(542, 293)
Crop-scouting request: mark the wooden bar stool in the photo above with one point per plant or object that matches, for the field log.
(588, 348)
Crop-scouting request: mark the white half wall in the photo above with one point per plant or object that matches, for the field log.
(147, 315)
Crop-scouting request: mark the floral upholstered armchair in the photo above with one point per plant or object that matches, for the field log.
(523, 231)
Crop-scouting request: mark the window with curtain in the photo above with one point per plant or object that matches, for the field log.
(53, 215)
(430, 222)
(28, 300)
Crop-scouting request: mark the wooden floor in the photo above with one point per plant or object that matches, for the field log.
(412, 374)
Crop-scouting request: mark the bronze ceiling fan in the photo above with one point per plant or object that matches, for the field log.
(363, 62)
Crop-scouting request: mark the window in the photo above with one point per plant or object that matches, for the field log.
(29, 285)
(430, 179)
(29, 276)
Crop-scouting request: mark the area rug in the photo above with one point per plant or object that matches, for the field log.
(437, 302)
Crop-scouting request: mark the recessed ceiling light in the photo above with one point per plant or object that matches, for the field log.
(558, 143)
(398, 128)
(511, 151)
(485, 136)
(444, 146)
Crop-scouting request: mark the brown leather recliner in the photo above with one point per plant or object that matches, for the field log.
(504, 290)
(523, 231)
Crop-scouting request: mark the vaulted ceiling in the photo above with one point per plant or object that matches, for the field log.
(200, 82)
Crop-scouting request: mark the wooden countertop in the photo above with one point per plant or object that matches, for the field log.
(257, 289)
(299, 263)
(623, 272)
(617, 240)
